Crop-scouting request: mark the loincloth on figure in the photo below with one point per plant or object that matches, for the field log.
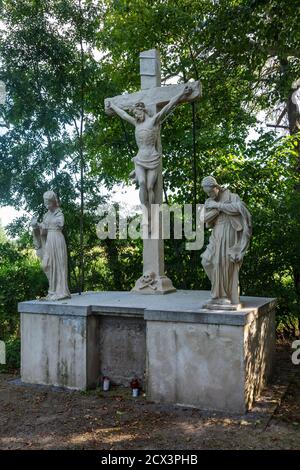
(148, 163)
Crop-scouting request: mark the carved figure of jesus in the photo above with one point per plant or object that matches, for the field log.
(147, 131)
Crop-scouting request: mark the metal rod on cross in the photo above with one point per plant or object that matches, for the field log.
(81, 152)
(194, 165)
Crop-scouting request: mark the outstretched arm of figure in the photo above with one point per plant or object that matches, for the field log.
(159, 117)
(120, 112)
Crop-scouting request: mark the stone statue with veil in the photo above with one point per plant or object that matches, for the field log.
(50, 246)
(228, 217)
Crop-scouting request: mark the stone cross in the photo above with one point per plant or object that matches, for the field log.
(155, 99)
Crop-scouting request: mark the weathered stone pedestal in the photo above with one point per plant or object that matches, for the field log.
(184, 354)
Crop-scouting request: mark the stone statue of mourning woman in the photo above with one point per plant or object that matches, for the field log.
(228, 217)
(50, 246)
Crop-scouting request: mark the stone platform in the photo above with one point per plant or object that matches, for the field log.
(182, 353)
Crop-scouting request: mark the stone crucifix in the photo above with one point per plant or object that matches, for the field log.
(150, 107)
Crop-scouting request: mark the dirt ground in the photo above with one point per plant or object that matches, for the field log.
(37, 417)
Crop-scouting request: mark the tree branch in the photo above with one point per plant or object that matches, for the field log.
(276, 125)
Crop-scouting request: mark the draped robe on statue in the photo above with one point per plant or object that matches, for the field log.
(231, 231)
(51, 248)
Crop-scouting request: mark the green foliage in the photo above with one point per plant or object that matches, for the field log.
(20, 279)
(2, 234)
(13, 353)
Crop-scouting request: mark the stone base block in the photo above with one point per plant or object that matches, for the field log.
(157, 285)
(181, 352)
(209, 366)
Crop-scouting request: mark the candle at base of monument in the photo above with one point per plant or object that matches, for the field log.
(135, 387)
(106, 384)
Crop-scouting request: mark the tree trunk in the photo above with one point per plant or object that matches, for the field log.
(293, 112)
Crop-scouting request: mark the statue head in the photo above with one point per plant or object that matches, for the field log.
(140, 111)
(50, 200)
(211, 187)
